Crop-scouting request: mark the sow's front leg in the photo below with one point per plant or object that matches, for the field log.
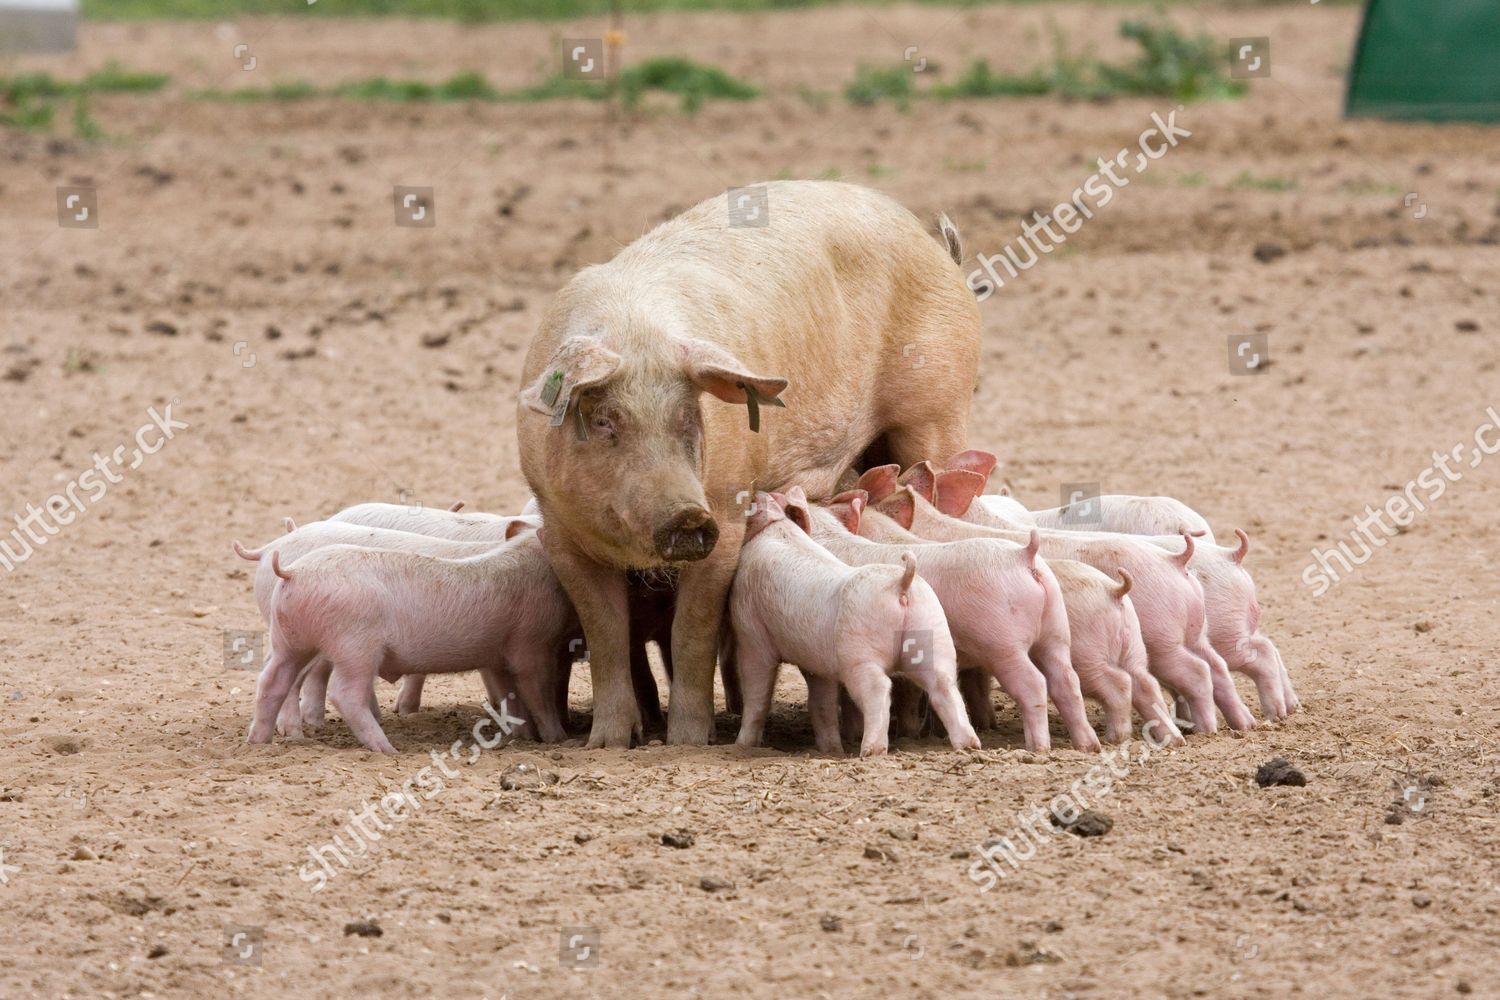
(599, 596)
(702, 592)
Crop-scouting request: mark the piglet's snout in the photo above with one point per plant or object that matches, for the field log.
(687, 536)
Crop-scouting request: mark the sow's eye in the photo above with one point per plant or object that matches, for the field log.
(604, 423)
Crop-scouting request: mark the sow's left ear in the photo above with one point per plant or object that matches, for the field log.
(719, 373)
(580, 362)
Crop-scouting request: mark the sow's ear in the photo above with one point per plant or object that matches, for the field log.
(719, 373)
(580, 362)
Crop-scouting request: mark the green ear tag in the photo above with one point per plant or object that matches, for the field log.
(752, 400)
(552, 388)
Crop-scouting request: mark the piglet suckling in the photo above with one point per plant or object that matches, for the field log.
(1003, 605)
(375, 612)
(1105, 645)
(1168, 602)
(1229, 592)
(794, 602)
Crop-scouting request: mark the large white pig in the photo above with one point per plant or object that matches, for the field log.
(644, 415)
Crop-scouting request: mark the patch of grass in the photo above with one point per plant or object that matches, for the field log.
(1195, 179)
(29, 115)
(463, 10)
(1371, 187)
(964, 166)
(84, 126)
(693, 82)
(878, 170)
(1170, 64)
(28, 100)
(1247, 181)
(980, 81)
(873, 84)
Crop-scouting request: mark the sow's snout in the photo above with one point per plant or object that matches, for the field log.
(687, 536)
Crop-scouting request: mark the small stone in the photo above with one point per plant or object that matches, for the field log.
(1088, 823)
(525, 776)
(1421, 902)
(363, 928)
(1279, 771)
(204, 612)
(831, 924)
(162, 328)
(1466, 326)
(708, 884)
(1394, 818)
(680, 839)
(157, 951)
(903, 833)
(435, 339)
(84, 854)
(582, 838)
(1267, 252)
(880, 853)
(962, 852)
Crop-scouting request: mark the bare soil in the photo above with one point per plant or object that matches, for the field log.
(247, 270)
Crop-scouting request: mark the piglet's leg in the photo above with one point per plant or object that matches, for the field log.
(871, 690)
(908, 708)
(351, 688)
(823, 706)
(530, 669)
(270, 691)
(502, 696)
(289, 719)
(409, 701)
(315, 693)
(974, 685)
(758, 665)
(1023, 682)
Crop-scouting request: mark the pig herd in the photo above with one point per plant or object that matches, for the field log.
(909, 591)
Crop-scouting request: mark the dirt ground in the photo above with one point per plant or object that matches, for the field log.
(247, 271)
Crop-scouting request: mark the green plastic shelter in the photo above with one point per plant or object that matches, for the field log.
(1430, 60)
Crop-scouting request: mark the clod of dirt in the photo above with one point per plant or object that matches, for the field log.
(364, 928)
(1394, 818)
(157, 951)
(1421, 902)
(680, 839)
(63, 745)
(880, 853)
(525, 776)
(84, 854)
(1279, 771)
(1267, 252)
(1088, 823)
(903, 833)
(436, 339)
(582, 838)
(1422, 626)
(831, 924)
(162, 328)
(1466, 326)
(708, 884)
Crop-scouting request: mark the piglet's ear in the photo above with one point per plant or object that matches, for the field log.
(900, 507)
(956, 490)
(848, 508)
(719, 373)
(796, 509)
(520, 524)
(922, 478)
(973, 460)
(880, 482)
(579, 363)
